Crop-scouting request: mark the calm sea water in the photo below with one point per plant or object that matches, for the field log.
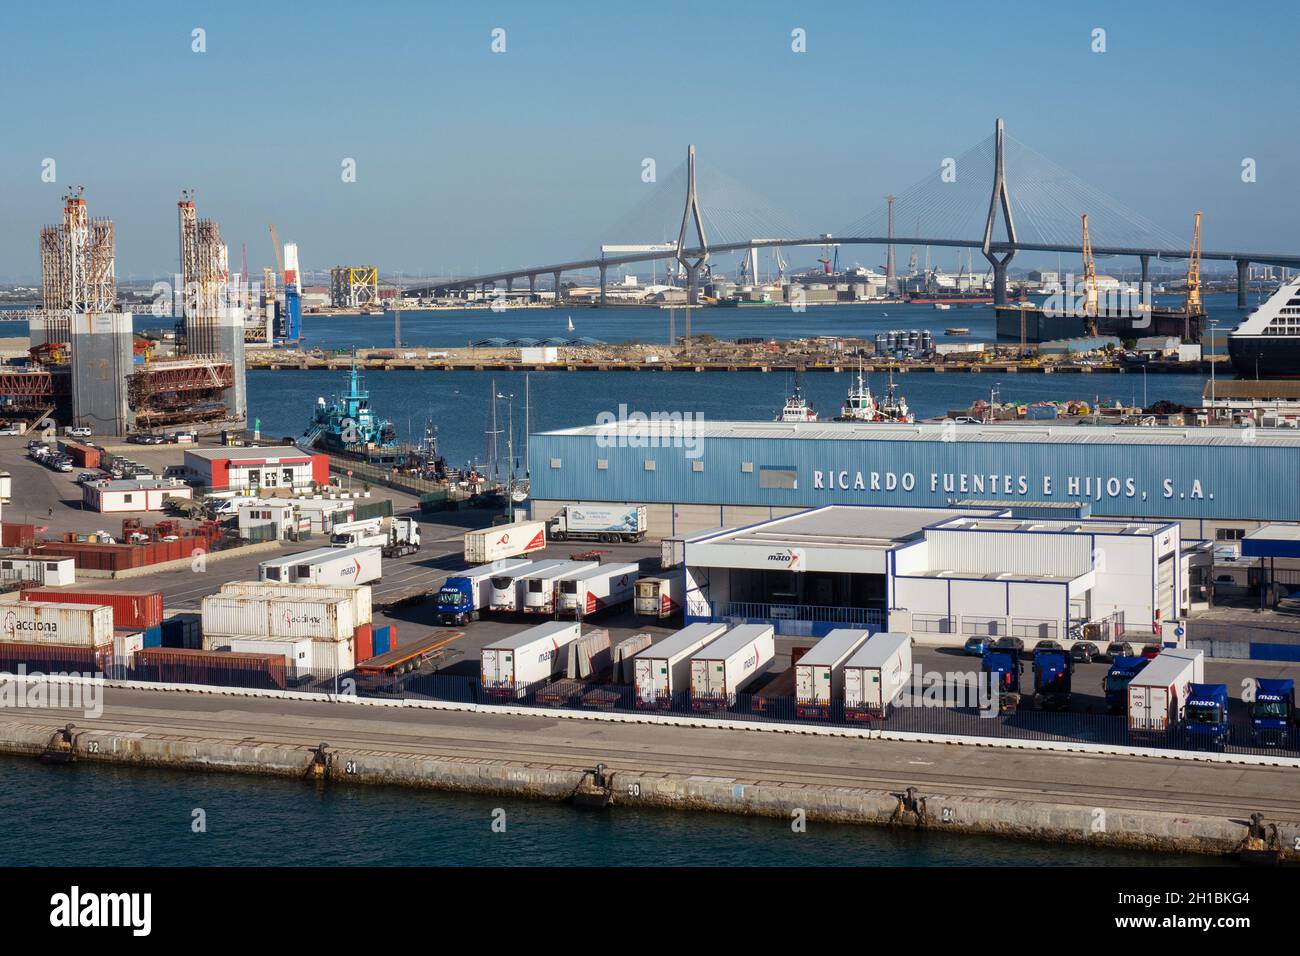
(252, 821)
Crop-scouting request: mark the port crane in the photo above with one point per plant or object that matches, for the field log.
(1089, 280)
(1193, 303)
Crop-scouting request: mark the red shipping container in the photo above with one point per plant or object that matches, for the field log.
(138, 609)
(14, 535)
(54, 658)
(365, 642)
(177, 665)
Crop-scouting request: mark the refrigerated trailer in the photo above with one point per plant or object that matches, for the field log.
(598, 523)
(819, 674)
(662, 672)
(875, 676)
(724, 668)
(505, 586)
(535, 593)
(596, 589)
(325, 566)
(463, 596)
(655, 597)
(509, 666)
(504, 541)
(1159, 692)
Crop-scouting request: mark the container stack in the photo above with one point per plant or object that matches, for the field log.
(138, 611)
(56, 637)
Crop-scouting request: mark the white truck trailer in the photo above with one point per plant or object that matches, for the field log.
(724, 668)
(504, 593)
(325, 566)
(541, 593)
(662, 672)
(504, 541)
(658, 597)
(598, 523)
(509, 666)
(395, 536)
(596, 589)
(1159, 691)
(463, 596)
(876, 675)
(538, 581)
(819, 674)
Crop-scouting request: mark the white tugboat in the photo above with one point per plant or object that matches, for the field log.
(894, 407)
(796, 407)
(860, 405)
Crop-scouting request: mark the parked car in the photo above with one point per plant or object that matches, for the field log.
(1009, 644)
(1151, 650)
(976, 646)
(1048, 645)
(1084, 652)
(80, 431)
(1116, 649)
(86, 476)
(11, 430)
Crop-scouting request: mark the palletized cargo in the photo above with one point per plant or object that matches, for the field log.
(510, 665)
(876, 674)
(597, 589)
(360, 594)
(819, 674)
(1158, 693)
(142, 609)
(36, 622)
(218, 668)
(504, 541)
(724, 668)
(663, 671)
(656, 597)
(54, 658)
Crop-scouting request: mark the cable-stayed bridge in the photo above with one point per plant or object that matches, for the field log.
(1000, 197)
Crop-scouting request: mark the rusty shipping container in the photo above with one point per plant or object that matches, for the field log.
(142, 609)
(79, 625)
(54, 658)
(174, 665)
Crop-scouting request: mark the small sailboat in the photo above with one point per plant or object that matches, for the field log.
(570, 323)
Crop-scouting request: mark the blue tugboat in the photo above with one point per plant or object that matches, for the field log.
(346, 426)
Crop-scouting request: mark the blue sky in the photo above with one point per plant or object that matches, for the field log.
(471, 160)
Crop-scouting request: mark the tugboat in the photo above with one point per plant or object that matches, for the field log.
(860, 405)
(796, 407)
(346, 426)
(894, 407)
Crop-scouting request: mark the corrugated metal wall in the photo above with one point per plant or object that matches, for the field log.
(1057, 554)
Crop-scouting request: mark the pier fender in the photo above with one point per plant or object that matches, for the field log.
(911, 809)
(595, 790)
(62, 746)
(322, 763)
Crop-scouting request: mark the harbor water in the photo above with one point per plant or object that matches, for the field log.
(43, 823)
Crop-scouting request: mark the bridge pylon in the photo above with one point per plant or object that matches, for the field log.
(692, 212)
(1001, 196)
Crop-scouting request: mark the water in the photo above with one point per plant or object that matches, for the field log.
(148, 822)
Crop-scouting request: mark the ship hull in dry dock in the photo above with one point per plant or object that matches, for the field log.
(1040, 326)
(1264, 356)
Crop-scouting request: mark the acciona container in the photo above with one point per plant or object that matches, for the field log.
(359, 594)
(321, 619)
(77, 625)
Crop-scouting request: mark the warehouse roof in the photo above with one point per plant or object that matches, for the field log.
(650, 433)
(1051, 526)
(278, 452)
(852, 526)
(140, 484)
(1250, 388)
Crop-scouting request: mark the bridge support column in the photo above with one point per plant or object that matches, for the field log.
(558, 293)
(532, 286)
(692, 284)
(603, 276)
(999, 275)
(1243, 282)
(1146, 270)
(510, 284)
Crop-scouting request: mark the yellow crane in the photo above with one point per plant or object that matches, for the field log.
(279, 255)
(1193, 304)
(1089, 280)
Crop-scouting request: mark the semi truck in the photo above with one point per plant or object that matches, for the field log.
(504, 590)
(1115, 684)
(1004, 669)
(724, 668)
(535, 593)
(1272, 713)
(657, 597)
(662, 672)
(504, 541)
(1053, 675)
(876, 675)
(394, 536)
(819, 674)
(596, 589)
(1205, 716)
(509, 666)
(598, 523)
(1158, 693)
(464, 596)
(325, 566)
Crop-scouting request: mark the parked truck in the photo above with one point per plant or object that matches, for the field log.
(1115, 684)
(657, 597)
(1205, 717)
(464, 596)
(876, 675)
(1158, 694)
(325, 566)
(504, 541)
(1053, 675)
(394, 536)
(1003, 667)
(509, 666)
(1272, 713)
(662, 672)
(819, 674)
(724, 668)
(598, 523)
(505, 585)
(597, 589)
(536, 590)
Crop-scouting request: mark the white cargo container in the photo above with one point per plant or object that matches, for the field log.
(724, 668)
(510, 665)
(819, 674)
(655, 597)
(324, 619)
(539, 592)
(297, 654)
(876, 675)
(325, 566)
(505, 585)
(663, 671)
(359, 594)
(504, 541)
(1158, 693)
(538, 580)
(597, 589)
(47, 622)
(126, 643)
(320, 659)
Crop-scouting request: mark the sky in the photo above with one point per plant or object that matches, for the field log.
(468, 159)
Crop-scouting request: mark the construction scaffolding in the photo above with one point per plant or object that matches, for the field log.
(186, 390)
(78, 271)
(352, 287)
(205, 279)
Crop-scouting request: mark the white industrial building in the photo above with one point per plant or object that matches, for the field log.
(133, 494)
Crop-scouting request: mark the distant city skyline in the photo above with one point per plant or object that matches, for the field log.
(469, 160)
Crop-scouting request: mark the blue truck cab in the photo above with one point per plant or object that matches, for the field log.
(1122, 671)
(1005, 668)
(1272, 713)
(456, 602)
(1205, 716)
(1053, 675)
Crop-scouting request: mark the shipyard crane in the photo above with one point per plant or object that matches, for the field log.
(279, 256)
(1089, 280)
(1193, 303)
(780, 264)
